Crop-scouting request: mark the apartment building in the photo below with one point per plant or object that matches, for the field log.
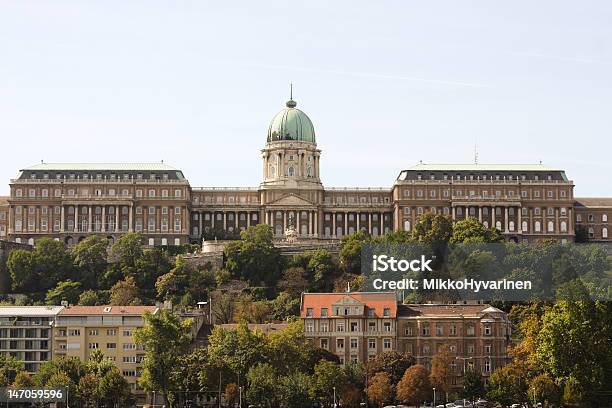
(26, 333)
(594, 215)
(354, 326)
(79, 330)
(477, 335)
(357, 326)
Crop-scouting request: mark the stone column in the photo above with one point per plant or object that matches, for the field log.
(520, 220)
(284, 221)
(117, 218)
(62, 219)
(480, 213)
(131, 218)
(76, 218)
(334, 224)
(382, 224)
(357, 215)
(201, 223)
(369, 223)
(557, 225)
(506, 218)
(493, 217)
(224, 221)
(248, 217)
(89, 218)
(346, 223)
(103, 227)
(454, 213)
(267, 219)
(212, 220)
(310, 216)
(235, 220)
(315, 231)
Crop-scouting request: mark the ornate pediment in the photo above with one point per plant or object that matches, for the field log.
(291, 200)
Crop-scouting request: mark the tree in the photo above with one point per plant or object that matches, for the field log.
(473, 386)
(507, 385)
(254, 258)
(351, 397)
(165, 337)
(441, 373)
(232, 394)
(380, 389)
(9, 366)
(90, 298)
(88, 389)
(115, 390)
(432, 229)
(64, 291)
(90, 259)
(293, 390)
(470, 230)
(20, 267)
(124, 293)
(294, 281)
(575, 342)
(350, 253)
(23, 380)
(414, 386)
(126, 252)
(262, 384)
(328, 376)
(543, 389)
(394, 363)
(61, 379)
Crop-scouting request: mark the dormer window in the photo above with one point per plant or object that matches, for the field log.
(386, 312)
(309, 312)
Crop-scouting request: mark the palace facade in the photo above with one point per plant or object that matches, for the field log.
(71, 201)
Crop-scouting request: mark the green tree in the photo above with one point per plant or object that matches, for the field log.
(165, 338)
(544, 389)
(9, 367)
(65, 290)
(89, 390)
(20, 265)
(350, 253)
(470, 230)
(90, 259)
(115, 390)
(473, 386)
(124, 293)
(380, 389)
(126, 252)
(91, 298)
(327, 377)
(293, 390)
(507, 385)
(414, 387)
(254, 258)
(433, 229)
(262, 385)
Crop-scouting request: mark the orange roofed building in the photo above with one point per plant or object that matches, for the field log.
(357, 326)
(354, 326)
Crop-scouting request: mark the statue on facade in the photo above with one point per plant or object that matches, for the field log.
(291, 234)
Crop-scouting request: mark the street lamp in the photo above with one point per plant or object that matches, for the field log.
(433, 404)
(240, 397)
(335, 397)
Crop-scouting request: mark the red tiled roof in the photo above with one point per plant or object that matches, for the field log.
(378, 301)
(593, 202)
(107, 310)
(441, 310)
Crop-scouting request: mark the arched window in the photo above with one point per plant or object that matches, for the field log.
(524, 226)
(538, 226)
(604, 218)
(338, 232)
(291, 171)
(604, 232)
(551, 226)
(498, 225)
(486, 224)
(511, 225)
(278, 229)
(406, 225)
(563, 226)
(375, 231)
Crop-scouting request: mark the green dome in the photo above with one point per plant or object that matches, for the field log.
(291, 124)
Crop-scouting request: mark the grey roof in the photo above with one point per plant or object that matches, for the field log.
(25, 311)
(100, 167)
(480, 167)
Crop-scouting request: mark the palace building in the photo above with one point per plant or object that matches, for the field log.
(73, 200)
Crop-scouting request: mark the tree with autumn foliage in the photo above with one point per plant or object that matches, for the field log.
(380, 389)
(414, 386)
(441, 373)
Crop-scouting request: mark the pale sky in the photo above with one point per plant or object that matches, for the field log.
(386, 84)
